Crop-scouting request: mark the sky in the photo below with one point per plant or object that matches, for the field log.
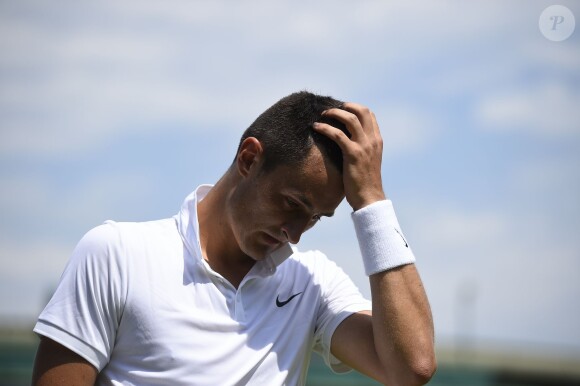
(117, 110)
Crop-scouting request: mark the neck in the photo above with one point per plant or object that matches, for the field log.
(218, 244)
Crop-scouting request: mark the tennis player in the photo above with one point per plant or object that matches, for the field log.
(216, 295)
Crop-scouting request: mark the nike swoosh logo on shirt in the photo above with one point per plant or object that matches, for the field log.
(406, 245)
(283, 303)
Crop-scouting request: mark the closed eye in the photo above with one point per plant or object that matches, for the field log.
(295, 205)
(291, 203)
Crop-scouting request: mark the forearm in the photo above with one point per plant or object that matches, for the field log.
(399, 351)
(402, 325)
(401, 320)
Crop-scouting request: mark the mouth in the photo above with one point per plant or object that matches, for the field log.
(271, 240)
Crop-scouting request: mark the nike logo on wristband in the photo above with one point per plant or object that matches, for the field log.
(283, 303)
(406, 245)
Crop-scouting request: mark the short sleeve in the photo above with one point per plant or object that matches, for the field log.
(340, 299)
(85, 310)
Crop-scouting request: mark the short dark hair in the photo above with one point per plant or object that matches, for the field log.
(286, 134)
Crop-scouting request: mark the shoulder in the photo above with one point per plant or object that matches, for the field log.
(309, 258)
(111, 239)
(117, 233)
(315, 262)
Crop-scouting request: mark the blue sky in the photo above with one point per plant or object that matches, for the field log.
(117, 110)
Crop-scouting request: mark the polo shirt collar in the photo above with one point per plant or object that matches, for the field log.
(188, 228)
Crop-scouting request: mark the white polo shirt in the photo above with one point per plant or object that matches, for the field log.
(138, 301)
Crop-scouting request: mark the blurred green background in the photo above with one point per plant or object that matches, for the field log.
(456, 367)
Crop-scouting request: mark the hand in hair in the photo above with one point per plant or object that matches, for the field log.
(362, 153)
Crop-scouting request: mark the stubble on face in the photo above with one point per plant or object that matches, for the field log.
(268, 209)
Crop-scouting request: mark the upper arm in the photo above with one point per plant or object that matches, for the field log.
(85, 310)
(57, 365)
(353, 344)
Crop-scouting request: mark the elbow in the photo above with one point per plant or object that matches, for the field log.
(416, 372)
(421, 370)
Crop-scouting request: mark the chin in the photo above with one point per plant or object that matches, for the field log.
(256, 248)
(259, 255)
(258, 252)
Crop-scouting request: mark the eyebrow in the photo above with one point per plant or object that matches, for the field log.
(304, 201)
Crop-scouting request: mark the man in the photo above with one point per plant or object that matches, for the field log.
(215, 296)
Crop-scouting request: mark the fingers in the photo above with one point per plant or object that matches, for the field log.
(359, 120)
(362, 152)
(333, 133)
(364, 115)
(350, 119)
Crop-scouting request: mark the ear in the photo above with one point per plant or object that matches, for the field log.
(250, 155)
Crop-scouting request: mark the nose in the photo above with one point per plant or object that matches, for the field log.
(292, 237)
(293, 230)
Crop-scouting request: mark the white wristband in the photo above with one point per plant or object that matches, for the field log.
(382, 243)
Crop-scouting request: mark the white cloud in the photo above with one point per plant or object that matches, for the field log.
(562, 58)
(28, 272)
(114, 68)
(462, 230)
(511, 265)
(33, 260)
(39, 204)
(405, 129)
(555, 178)
(547, 111)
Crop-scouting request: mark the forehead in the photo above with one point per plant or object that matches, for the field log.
(315, 180)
